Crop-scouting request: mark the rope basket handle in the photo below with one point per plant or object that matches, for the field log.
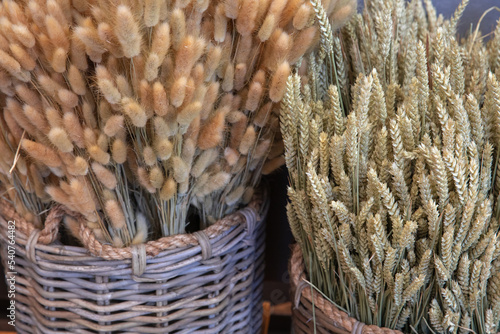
(152, 248)
(51, 227)
(342, 320)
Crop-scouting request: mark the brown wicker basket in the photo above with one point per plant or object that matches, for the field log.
(327, 317)
(206, 282)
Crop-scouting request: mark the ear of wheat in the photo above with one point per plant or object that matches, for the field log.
(394, 183)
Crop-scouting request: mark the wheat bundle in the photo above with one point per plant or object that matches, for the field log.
(394, 192)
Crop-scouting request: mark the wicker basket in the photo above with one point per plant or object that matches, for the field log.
(206, 282)
(327, 317)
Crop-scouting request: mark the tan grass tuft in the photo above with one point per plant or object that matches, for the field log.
(127, 31)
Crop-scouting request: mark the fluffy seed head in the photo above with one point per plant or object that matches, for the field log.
(24, 35)
(163, 148)
(151, 12)
(301, 43)
(178, 91)
(80, 166)
(119, 151)
(127, 32)
(203, 161)
(278, 83)
(143, 178)
(146, 94)
(41, 153)
(35, 117)
(149, 156)
(160, 102)
(156, 177)
(113, 125)
(212, 61)
(280, 49)
(237, 131)
(162, 130)
(115, 214)
(209, 100)
(211, 133)
(231, 8)
(59, 137)
(161, 40)
(98, 154)
(340, 15)
(262, 149)
(303, 16)
(181, 170)
(193, 130)
(13, 67)
(220, 24)
(188, 151)
(109, 91)
(234, 196)
(235, 116)
(168, 189)
(228, 81)
(22, 57)
(76, 80)
(245, 23)
(135, 113)
(88, 115)
(189, 113)
(190, 50)
(151, 67)
(28, 96)
(104, 175)
(267, 28)
(58, 61)
(248, 140)
(178, 25)
(231, 156)
(68, 98)
(218, 181)
(254, 95)
(74, 128)
(109, 39)
(123, 86)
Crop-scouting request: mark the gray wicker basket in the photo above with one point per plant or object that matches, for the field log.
(206, 282)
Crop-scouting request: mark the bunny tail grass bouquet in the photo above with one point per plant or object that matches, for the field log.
(394, 181)
(138, 115)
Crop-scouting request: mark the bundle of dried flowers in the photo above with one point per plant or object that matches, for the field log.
(395, 206)
(134, 113)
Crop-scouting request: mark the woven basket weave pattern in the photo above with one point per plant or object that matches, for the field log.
(327, 319)
(211, 283)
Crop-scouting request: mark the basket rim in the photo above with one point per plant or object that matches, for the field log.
(249, 215)
(338, 317)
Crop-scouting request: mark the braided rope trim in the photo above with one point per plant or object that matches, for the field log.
(51, 229)
(336, 317)
(152, 248)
